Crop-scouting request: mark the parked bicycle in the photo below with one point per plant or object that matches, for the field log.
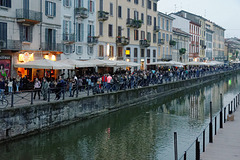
(3, 101)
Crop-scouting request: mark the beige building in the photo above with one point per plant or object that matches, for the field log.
(165, 37)
(182, 40)
(127, 30)
(218, 42)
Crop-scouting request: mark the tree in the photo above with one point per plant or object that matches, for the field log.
(182, 51)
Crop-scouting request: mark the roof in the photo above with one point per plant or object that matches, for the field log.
(165, 15)
(179, 31)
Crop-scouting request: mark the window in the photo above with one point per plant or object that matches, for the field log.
(79, 3)
(142, 52)
(159, 21)
(90, 5)
(148, 52)
(136, 1)
(5, 3)
(149, 20)
(101, 5)
(136, 15)
(26, 33)
(128, 33)
(67, 49)
(119, 11)
(129, 0)
(50, 39)
(167, 37)
(100, 51)
(167, 28)
(90, 50)
(67, 3)
(111, 51)
(143, 3)
(159, 37)
(142, 35)
(154, 38)
(135, 34)
(135, 52)
(149, 36)
(163, 24)
(154, 53)
(170, 37)
(50, 9)
(80, 32)
(129, 49)
(3, 31)
(128, 13)
(120, 52)
(149, 4)
(155, 7)
(101, 28)
(66, 29)
(110, 30)
(79, 50)
(119, 31)
(163, 36)
(142, 17)
(111, 9)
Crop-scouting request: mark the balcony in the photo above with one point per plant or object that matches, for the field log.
(144, 43)
(168, 57)
(161, 41)
(92, 40)
(14, 45)
(122, 41)
(81, 12)
(156, 28)
(102, 15)
(28, 16)
(68, 38)
(134, 23)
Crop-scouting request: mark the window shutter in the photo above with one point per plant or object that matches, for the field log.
(46, 36)
(31, 33)
(54, 39)
(88, 31)
(82, 3)
(82, 32)
(9, 4)
(64, 2)
(70, 3)
(77, 32)
(93, 6)
(64, 31)
(54, 9)
(70, 27)
(21, 32)
(88, 5)
(46, 8)
(93, 30)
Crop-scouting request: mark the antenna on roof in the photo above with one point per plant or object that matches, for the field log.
(175, 8)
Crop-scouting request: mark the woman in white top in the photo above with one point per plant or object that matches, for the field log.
(37, 86)
(10, 85)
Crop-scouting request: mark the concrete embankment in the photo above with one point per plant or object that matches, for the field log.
(22, 121)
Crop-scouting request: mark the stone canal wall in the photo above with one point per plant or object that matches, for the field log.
(31, 119)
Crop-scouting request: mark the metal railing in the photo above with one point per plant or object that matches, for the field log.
(206, 136)
(28, 14)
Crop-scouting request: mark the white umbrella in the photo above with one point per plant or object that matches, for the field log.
(193, 63)
(102, 63)
(127, 64)
(161, 63)
(43, 64)
(175, 63)
(77, 63)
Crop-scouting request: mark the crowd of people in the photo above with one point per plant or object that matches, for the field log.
(100, 83)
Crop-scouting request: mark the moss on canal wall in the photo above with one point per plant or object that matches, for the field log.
(31, 119)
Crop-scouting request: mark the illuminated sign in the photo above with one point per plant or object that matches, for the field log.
(25, 57)
(127, 52)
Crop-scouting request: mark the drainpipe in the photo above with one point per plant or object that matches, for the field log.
(41, 25)
(116, 24)
(145, 65)
(74, 26)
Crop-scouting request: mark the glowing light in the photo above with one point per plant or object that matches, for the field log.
(230, 82)
(46, 57)
(53, 58)
(142, 60)
(127, 60)
(26, 57)
(127, 52)
(108, 46)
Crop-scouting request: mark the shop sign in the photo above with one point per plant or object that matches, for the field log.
(5, 57)
(25, 57)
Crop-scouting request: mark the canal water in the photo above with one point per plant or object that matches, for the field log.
(141, 132)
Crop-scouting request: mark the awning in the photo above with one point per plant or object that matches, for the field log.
(161, 63)
(43, 64)
(77, 63)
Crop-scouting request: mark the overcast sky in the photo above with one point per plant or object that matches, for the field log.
(225, 13)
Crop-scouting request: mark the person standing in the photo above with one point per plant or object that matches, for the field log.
(37, 86)
(44, 89)
(10, 85)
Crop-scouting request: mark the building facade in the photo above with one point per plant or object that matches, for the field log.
(218, 42)
(209, 40)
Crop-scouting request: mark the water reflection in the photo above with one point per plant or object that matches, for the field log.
(140, 132)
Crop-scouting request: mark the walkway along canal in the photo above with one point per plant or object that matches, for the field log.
(142, 131)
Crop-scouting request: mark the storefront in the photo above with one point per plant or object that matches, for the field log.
(5, 66)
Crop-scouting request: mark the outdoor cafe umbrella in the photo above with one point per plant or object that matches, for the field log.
(161, 63)
(126, 64)
(43, 64)
(102, 63)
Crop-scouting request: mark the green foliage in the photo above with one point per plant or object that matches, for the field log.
(172, 43)
(182, 51)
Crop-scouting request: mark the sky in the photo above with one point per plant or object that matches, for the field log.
(225, 13)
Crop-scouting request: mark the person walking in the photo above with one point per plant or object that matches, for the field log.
(44, 89)
(37, 86)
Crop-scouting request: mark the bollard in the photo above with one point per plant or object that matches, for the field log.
(215, 126)
(77, 90)
(12, 99)
(234, 104)
(225, 115)
(229, 108)
(31, 97)
(204, 140)
(210, 125)
(63, 92)
(175, 146)
(88, 90)
(197, 149)
(185, 155)
(221, 117)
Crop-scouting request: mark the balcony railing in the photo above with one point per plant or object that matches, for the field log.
(156, 28)
(28, 16)
(122, 41)
(81, 12)
(69, 38)
(161, 41)
(134, 23)
(168, 57)
(144, 43)
(92, 40)
(13, 45)
(102, 15)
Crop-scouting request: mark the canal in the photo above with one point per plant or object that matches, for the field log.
(140, 132)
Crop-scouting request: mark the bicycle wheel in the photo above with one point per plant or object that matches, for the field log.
(3, 103)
